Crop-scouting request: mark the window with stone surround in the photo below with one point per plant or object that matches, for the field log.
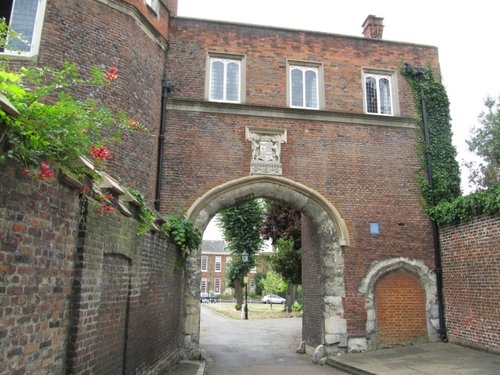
(304, 85)
(203, 286)
(378, 89)
(225, 78)
(25, 17)
(217, 286)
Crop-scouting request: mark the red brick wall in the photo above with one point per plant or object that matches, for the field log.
(38, 231)
(400, 309)
(125, 291)
(91, 33)
(471, 279)
(112, 318)
(367, 172)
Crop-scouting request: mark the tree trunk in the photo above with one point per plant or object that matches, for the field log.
(238, 291)
(291, 295)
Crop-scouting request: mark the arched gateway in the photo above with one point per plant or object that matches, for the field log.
(323, 309)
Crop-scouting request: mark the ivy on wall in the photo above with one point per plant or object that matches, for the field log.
(445, 168)
(444, 201)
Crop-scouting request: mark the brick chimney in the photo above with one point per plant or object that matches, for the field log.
(373, 27)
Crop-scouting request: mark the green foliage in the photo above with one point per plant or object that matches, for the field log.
(283, 225)
(297, 306)
(287, 261)
(54, 123)
(241, 227)
(485, 143)
(445, 168)
(184, 234)
(146, 215)
(272, 283)
(464, 208)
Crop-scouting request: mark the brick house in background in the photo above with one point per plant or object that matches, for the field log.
(215, 258)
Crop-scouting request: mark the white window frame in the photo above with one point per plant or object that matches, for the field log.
(218, 264)
(304, 68)
(225, 59)
(154, 5)
(37, 32)
(217, 286)
(253, 269)
(203, 285)
(204, 259)
(378, 76)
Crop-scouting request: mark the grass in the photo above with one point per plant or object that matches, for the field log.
(256, 311)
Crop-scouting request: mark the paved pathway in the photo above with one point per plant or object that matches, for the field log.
(425, 359)
(245, 347)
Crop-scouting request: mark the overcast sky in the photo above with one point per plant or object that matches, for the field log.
(467, 34)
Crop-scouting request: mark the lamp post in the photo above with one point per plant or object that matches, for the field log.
(244, 259)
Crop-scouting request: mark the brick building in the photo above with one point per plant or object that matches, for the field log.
(215, 258)
(322, 122)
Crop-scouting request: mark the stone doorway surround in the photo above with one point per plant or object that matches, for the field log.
(427, 278)
(332, 235)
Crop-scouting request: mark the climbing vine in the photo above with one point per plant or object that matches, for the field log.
(183, 233)
(466, 207)
(445, 168)
(444, 202)
(146, 215)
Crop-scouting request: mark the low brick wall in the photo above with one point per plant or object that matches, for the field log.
(471, 279)
(80, 292)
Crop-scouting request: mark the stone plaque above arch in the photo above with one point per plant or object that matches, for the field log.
(266, 150)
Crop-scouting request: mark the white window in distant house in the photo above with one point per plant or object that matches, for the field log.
(204, 263)
(154, 5)
(225, 80)
(378, 94)
(218, 264)
(25, 17)
(253, 270)
(217, 286)
(203, 286)
(304, 86)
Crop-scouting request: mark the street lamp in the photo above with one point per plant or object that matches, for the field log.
(244, 259)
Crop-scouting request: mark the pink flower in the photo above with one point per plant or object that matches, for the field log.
(132, 123)
(111, 73)
(100, 153)
(45, 171)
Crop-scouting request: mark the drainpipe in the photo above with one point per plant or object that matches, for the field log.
(435, 228)
(166, 88)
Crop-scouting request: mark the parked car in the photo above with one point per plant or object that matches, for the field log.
(207, 298)
(272, 298)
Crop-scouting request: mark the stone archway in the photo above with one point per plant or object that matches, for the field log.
(331, 233)
(427, 279)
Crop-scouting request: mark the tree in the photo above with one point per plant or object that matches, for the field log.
(272, 283)
(485, 143)
(241, 228)
(282, 224)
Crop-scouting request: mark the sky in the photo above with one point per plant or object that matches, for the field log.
(466, 34)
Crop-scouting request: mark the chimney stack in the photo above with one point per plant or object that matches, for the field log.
(373, 27)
